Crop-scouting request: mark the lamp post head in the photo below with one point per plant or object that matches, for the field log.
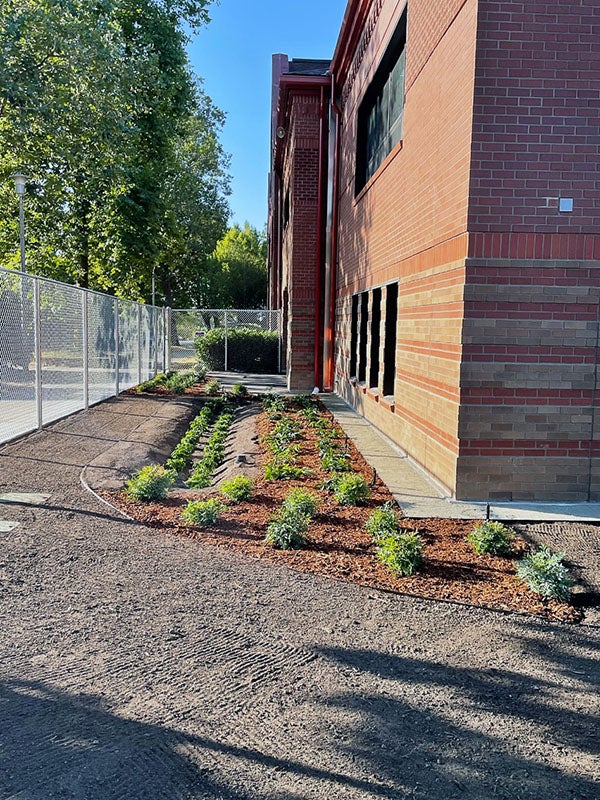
(20, 181)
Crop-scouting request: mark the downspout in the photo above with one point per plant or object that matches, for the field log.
(319, 266)
(334, 238)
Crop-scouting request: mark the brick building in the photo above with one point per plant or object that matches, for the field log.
(434, 228)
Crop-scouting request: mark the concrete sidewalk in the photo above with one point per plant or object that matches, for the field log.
(417, 494)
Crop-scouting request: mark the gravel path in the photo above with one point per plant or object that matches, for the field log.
(136, 665)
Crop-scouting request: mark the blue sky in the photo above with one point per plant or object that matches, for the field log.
(233, 56)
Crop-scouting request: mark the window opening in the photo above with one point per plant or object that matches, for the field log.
(375, 339)
(389, 347)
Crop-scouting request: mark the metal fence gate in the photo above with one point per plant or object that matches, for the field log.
(63, 348)
(189, 324)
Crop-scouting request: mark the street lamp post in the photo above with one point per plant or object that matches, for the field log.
(20, 182)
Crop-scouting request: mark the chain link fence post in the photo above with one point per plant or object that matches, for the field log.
(86, 353)
(116, 347)
(139, 343)
(37, 333)
(226, 343)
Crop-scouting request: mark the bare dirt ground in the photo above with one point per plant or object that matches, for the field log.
(140, 665)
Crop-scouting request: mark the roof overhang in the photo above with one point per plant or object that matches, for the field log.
(289, 85)
(353, 25)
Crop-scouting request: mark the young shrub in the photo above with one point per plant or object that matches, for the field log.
(491, 538)
(202, 512)
(303, 501)
(238, 488)
(383, 522)
(545, 574)
(283, 471)
(287, 530)
(213, 387)
(150, 483)
(351, 490)
(402, 552)
(239, 390)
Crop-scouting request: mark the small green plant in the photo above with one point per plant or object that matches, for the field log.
(238, 488)
(491, 538)
(239, 390)
(150, 483)
(351, 490)
(183, 450)
(303, 501)
(545, 574)
(287, 530)
(202, 512)
(383, 522)
(213, 387)
(281, 471)
(402, 552)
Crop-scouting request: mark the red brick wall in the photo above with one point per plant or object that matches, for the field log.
(301, 169)
(410, 222)
(528, 377)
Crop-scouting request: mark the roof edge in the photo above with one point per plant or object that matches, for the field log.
(350, 33)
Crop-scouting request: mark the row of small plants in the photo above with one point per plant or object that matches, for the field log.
(153, 481)
(213, 453)
(176, 382)
(282, 443)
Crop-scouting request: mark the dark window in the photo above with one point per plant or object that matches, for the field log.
(286, 209)
(362, 343)
(381, 112)
(354, 336)
(375, 339)
(389, 347)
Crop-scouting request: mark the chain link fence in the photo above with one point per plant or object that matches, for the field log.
(191, 324)
(63, 348)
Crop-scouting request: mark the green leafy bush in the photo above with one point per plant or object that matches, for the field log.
(248, 350)
(351, 490)
(150, 483)
(281, 471)
(491, 538)
(402, 552)
(383, 522)
(173, 381)
(213, 387)
(545, 574)
(303, 501)
(287, 530)
(238, 488)
(202, 512)
(239, 390)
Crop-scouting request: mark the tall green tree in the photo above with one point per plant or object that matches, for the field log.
(237, 274)
(99, 106)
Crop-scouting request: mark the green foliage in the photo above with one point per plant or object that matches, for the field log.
(239, 390)
(545, 574)
(273, 404)
(287, 530)
(248, 349)
(302, 501)
(351, 490)
(202, 512)
(99, 106)
(277, 471)
(236, 274)
(183, 450)
(173, 381)
(237, 489)
(213, 387)
(492, 538)
(150, 483)
(213, 453)
(402, 552)
(383, 522)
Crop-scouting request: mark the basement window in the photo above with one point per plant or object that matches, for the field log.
(375, 339)
(389, 347)
(362, 340)
(354, 336)
(381, 112)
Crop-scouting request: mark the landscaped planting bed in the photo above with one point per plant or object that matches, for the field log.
(307, 443)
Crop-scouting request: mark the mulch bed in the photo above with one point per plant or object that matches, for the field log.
(340, 548)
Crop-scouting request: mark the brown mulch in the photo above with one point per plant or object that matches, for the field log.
(340, 548)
